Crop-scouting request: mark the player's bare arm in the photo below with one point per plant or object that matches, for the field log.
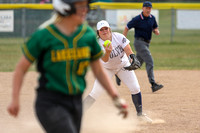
(128, 50)
(135, 64)
(20, 71)
(125, 32)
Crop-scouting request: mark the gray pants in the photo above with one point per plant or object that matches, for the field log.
(144, 55)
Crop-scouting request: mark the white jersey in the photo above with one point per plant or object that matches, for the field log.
(118, 57)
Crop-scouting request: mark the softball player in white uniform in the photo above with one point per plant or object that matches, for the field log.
(114, 60)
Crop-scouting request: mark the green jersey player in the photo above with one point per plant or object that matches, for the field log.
(63, 51)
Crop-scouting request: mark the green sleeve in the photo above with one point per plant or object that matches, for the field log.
(32, 48)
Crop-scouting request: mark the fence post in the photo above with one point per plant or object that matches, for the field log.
(24, 23)
(172, 25)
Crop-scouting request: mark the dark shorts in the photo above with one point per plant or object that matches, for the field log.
(59, 113)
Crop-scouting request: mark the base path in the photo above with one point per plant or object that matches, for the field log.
(173, 109)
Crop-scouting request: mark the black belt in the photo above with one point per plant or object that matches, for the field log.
(142, 39)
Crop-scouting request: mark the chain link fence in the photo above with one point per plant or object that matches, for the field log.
(26, 21)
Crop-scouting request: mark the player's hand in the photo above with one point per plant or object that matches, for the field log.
(156, 31)
(108, 49)
(121, 105)
(13, 108)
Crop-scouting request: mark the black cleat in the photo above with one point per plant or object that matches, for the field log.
(118, 81)
(155, 87)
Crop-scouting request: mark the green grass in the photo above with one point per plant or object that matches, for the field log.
(10, 53)
(176, 56)
(182, 53)
(167, 56)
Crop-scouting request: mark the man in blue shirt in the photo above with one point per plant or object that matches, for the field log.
(144, 24)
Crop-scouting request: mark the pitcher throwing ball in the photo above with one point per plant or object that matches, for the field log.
(116, 61)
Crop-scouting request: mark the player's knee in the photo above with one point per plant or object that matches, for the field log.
(135, 89)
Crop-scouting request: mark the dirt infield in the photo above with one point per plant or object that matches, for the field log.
(174, 109)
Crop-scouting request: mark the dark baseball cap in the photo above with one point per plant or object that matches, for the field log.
(147, 4)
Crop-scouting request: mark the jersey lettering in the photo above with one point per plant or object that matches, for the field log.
(70, 54)
(82, 67)
(117, 51)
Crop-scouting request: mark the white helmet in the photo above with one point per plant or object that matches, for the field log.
(65, 7)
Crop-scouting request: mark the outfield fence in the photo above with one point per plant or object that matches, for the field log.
(27, 17)
(172, 49)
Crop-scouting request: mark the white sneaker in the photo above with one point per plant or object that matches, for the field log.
(145, 118)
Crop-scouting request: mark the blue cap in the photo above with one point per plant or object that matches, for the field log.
(147, 4)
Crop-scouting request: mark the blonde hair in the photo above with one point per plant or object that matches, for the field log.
(55, 17)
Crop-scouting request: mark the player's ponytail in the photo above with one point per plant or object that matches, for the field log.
(53, 18)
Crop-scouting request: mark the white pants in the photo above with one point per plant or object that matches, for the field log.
(127, 77)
